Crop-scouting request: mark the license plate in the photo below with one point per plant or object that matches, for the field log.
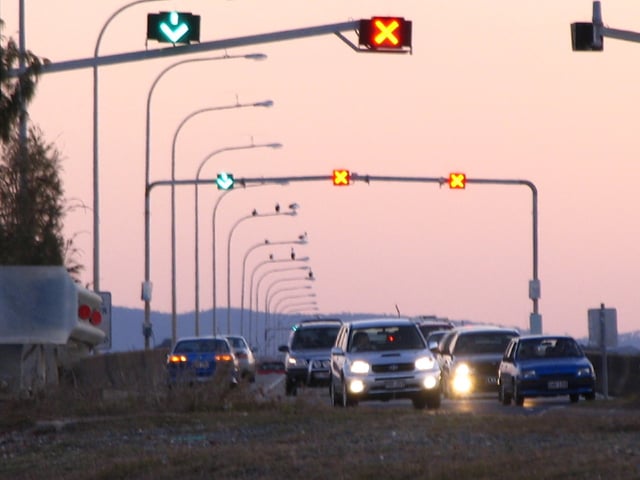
(201, 364)
(394, 384)
(557, 385)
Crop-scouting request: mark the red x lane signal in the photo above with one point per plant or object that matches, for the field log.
(341, 177)
(385, 33)
(457, 180)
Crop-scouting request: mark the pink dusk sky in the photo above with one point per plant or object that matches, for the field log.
(492, 89)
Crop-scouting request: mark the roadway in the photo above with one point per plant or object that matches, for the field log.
(272, 386)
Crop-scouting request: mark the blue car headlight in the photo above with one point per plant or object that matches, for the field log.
(585, 372)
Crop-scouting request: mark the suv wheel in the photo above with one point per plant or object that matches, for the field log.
(347, 400)
(335, 398)
(290, 387)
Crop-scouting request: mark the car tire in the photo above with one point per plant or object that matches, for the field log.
(517, 398)
(446, 388)
(290, 388)
(419, 402)
(336, 401)
(504, 396)
(574, 398)
(347, 400)
(434, 400)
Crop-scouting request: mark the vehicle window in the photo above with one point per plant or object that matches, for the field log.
(390, 338)
(312, 338)
(201, 346)
(236, 342)
(550, 348)
(482, 342)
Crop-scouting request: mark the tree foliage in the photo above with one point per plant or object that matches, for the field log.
(31, 203)
(14, 89)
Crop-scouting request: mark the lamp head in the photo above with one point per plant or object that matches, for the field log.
(256, 56)
(264, 103)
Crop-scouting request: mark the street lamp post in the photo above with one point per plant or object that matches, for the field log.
(291, 297)
(96, 183)
(197, 219)
(269, 296)
(293, 210)
(264, 276)
(302, 239)
(266, 103)
(146, 285)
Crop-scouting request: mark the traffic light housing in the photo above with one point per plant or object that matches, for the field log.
(457, 181)
(225, 181)
(173, 27)
(341, 178)
(385, 34)
(584, 37)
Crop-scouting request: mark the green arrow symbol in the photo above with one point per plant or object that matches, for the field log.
(177, 30)
(224, 181)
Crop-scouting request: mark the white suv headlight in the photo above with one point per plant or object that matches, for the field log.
(425, 363)
(360, 366)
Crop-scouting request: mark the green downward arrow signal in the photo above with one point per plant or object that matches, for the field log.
(176, 30)
(224, 181)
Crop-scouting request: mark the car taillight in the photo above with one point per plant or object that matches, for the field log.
(224, 357)
(176, 359)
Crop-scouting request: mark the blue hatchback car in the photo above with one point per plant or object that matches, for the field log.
(197, 359)
(545, 366)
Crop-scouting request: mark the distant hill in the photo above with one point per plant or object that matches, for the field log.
(126, 324)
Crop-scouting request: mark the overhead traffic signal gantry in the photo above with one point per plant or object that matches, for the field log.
(173, 27)
(385, 34)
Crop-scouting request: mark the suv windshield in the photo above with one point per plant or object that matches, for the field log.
(485, 342)
(386, 338)
(309, 338)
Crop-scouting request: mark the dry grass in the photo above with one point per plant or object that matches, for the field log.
(115, 418)
(210, 431)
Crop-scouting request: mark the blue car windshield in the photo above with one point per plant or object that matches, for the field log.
(201, 345)
(549, 348)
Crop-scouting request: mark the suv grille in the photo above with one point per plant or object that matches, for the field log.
(393, 367)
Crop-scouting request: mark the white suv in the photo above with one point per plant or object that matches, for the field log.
(383, 359)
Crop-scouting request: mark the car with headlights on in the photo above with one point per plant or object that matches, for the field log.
(545, 366)
(469, 357)
(383, 359)
(195, 360)
(307, 353)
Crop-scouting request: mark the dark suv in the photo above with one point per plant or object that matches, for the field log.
(308, 352)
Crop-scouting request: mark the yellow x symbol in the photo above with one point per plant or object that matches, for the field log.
(341, 177)
(457, 180)
(385, 32)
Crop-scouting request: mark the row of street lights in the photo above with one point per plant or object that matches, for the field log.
(147, 286)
